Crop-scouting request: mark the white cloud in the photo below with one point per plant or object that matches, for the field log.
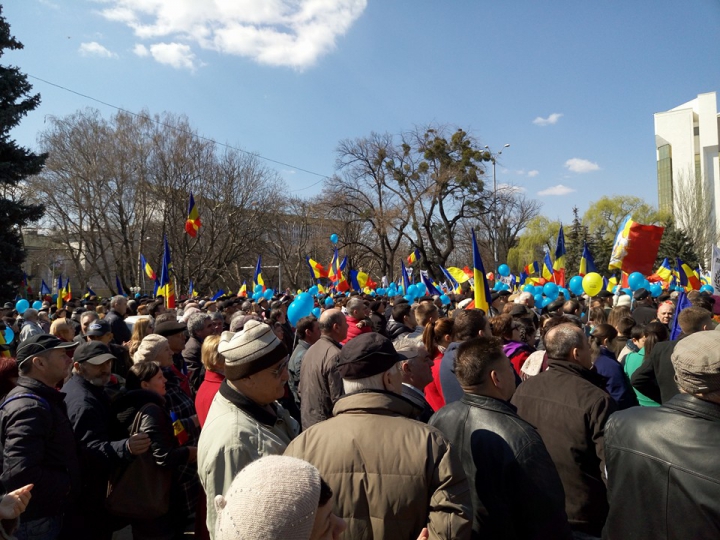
(177, 55)
(293, 33)
(550, 120)
(510, 188)
(533, 173)
(581, 165)
(557, 190)
(141, 50)
(93, 48)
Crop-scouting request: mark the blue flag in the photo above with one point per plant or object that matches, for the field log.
(44, 289)
(120, 290)
(682, 303)
(218, 294)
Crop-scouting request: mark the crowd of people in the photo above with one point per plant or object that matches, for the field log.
(379, 419)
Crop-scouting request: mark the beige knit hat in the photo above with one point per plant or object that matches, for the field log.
(696, 360)
(273, 498)
(252, 350)
(150, 346)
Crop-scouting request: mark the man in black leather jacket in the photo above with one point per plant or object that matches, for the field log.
(516, 490)
(663, 474)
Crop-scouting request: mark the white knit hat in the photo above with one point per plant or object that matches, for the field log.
(252, 350)
(150, 346)
(273, 498)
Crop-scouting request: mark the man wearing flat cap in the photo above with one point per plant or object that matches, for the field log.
(38, 445)
(88, 408)
(645, 310)
(391, 476)
(662, 467)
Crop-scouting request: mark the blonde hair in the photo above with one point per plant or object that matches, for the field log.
(211, 358)
(141, 328)
(60, 326)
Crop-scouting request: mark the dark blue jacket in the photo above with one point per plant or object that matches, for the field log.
(618, 384)
(38, 447)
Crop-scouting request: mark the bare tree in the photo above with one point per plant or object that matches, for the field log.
(694, 214)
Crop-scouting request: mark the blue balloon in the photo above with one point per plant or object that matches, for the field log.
(299, 309)
(707, 288)
(258, 288)
(316, 312)
(257, 295)
(420, 289)
(551, 291)
(504, 270)
(329, 302)
(529, 288)
(539, 299)
(268, 294)
(37, 304)
(373, 294)
(635, 280)
(545, 302)
(538, 289)
(9, 334)
(411, 290)
(409, 298)
(565, 293)
(503, 286)
(313, 290)
(628, 292)
(22, 305)
(655, 290)
(445, 299)
(334, 238)
(575, 285)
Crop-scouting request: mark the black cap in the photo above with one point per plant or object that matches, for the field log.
(169, 328)
(519, 310)
(497, 294)
(367, 355)
(79, 311)
(40, 343)
(604, 294)
(93, 352)
(554, 305)
(641, 294)
(98, 328)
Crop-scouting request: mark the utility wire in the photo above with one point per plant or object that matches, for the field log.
(323, 177)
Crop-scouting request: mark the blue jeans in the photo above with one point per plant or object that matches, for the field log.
(39, 529)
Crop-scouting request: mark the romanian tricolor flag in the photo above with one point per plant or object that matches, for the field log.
(146, 267)
(67, 291)
(191, 290)
(317, 270)
(636, 247)
(60, 292)
(192, 225)
(458, 274)
(587, 264)
(405, 278)
(664, 272)
(482, 291)
(166, 288)
(119, 286)
(532, 268)
(243, 290)
(335, 271)
(257, 278)
(559, 265)
(547, 268)
(414, 256)
(359, 280)
(688, 279)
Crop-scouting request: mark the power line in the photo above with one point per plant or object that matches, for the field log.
(186, 132)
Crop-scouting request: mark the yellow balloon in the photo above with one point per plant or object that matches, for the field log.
(592, 283)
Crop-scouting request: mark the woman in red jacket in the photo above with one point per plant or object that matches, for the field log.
(437, 337)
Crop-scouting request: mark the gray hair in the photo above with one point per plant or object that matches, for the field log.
(150, 346)
(374, 382)
(561, 340)
(406, 344)
(196, 322)
(87, 314)
(30, 314)
(523, 297)
(115, 300)
(354, 304)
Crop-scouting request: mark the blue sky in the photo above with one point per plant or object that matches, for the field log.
(571, 86)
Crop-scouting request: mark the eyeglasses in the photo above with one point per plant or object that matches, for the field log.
(282, 367)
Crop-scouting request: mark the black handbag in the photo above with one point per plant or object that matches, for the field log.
(142, 489)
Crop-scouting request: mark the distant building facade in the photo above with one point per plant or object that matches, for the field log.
(686, 139)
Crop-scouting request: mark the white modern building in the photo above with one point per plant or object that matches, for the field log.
(686, 139)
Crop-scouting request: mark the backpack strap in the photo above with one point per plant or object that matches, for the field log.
(42, 400)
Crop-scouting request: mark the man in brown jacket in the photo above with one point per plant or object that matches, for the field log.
(569, 407)
(392, 476)
(320, 384)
